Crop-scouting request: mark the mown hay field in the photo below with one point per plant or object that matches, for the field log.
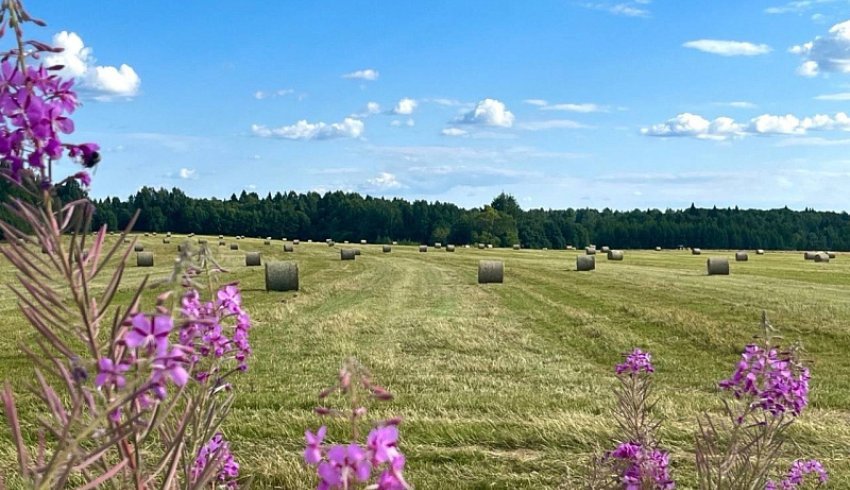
(507, 385)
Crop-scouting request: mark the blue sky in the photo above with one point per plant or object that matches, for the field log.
(617, 104)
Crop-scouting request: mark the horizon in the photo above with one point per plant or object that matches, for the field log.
(633, 104)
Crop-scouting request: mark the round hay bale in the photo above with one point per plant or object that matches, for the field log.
(202, 242)
(832, 255)
(822, 257)
(590, 251)
(606, 249)
(168, 234)
(438, 245)
(362, 242)
(570, 247)
(516, 246)
(717, 266)
(347, 254)
(450, 248)
(585, 262)
(331, 243)
(423, 248)
(328, 240)
(387, 249)
(144, 259)
(760, 252)
(345, 242)
(267, 242)
(288, 248)
(147, 234)
(221, 243)
(810, 255)
(234, 246)
(221, 237)
(154, 233)
(138, 247)
(480, 246)
(741, 257)
(615, 255)
(191, 235)
(489, 245)
(166, 240)
(491, 271)
(696, 251)
(395, 243)
(657, 249)
(179, 248)
(282, 276)
(356, 251)
(296, 242)
(252, 259)
(126, 240)
(309, 241)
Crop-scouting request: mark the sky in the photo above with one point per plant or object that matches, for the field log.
(621, 104)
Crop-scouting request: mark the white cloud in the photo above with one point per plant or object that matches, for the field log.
(842, 96)
(728, 48)
(454, 132)
(303, 130)
(629, 9)
(586, 107)
(260, 94)
(188, 173)
(105, 82)
(739, 104)
(385, 180)
(373, 107)
(367, 74)
(489, 112)
(550, 124)
(405, 106)
(796, 7)
(397, 123)
(722, 128)
(536, 102)
(830, 53)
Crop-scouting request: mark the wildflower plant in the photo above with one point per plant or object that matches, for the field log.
(132, 397)
(374, 464)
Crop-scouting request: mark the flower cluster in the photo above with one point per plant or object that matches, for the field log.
(341, 466)
(636, 362)
(217, 450)
(35, 105)
(797, 475)
(776, 382)
(639, 467)
(205, 328)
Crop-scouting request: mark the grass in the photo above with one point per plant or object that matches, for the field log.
(508, 385)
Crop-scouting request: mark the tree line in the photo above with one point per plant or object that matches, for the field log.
(350, 216)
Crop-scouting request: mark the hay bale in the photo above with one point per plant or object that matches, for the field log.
(438, 245)
(741, 257)
(606, 249)
(570, 247)
(423, 248)
(345, 242)
(309, 241)
(126, 240)
(832, 255)
(450, 248)
(760, 252)
(489, 245)
(822, 257)
(387, 249)
(657, 249)
(267, 242)
(252, 259)
(696, 251)
(347, 254)
(362, 242)
(147, 234)
(282, 276)
(138, 247)
(179, 248)
(221, 243)
(296, 242)
(590, 250)
(480, 246)
(202, 242)
(168, 234)
(221, 237)
(331, 244)
(491, 271)
(585, 262)
(615, 255)
(144, 259)
(234, 246)
(516, 246)
(717, 266)
(166, 240)
(810, 255)
(288, 248)
(356, 251)
(395, 243)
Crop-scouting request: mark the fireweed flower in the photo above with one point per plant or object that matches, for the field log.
(636, 362)
(313, 451)
(228, 470)
(149, 331)
(382, 444)
(776, 382)
(345, 464)
(391, 478)
(797, 474)
(110, 374)
(638, 466)
(230, 298)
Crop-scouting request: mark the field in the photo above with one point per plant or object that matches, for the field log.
(508, 385)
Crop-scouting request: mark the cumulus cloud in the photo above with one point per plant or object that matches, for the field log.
(104, 82)
(489, 112)
(306, 131)
(454, 132)
(830, 53)
(405, 107)
(188, 173)
(721, 128)
(373, 107)
(385, 180)
(728, 48)
(584, 107)
(367, 74)
(261, 94)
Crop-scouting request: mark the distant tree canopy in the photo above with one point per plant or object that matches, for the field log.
(350, 216)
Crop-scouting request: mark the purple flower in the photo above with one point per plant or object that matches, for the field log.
(797, 474)
(345, 464)
(775, 382)
(636, 362)
(228, 468)
(640, 468)
(313, 451)
(382, 443)
(391, 478)
(149, 331)
(230, 298)
(84, 178)
(171, 366)
(108, 373)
